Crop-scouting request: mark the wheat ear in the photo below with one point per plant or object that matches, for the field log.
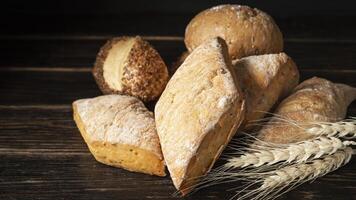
(346, 128)
(291, 153)
(287, 178)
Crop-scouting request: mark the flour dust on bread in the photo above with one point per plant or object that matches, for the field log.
(198, 113)
(130, 65)
(121, 132)
(314, 100)
(265, 79)
(247, 31)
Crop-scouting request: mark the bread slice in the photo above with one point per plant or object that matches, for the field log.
(130, 65)
(120, 132)
(265, 80)
(198, 113)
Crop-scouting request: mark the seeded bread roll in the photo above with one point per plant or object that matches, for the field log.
(198, 113)
(120, 132)
(130, 65)
(247, 31)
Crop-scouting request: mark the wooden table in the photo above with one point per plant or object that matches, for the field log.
(42, 155)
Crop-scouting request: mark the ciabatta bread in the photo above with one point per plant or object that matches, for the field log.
(198, 113)
(120, 132)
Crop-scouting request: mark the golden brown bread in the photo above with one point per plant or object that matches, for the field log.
(314, 100)
(264, 80)
(130, 65)
(198, 113)
(247, 31)
(120, 132)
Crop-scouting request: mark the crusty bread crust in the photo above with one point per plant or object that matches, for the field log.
(247, 31)
(120, 132)
(265, 79)
(144, 73)
(198, 113)
(314, 100)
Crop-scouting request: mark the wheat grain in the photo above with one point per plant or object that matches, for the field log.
(291, 153)
(346, 128)
(287, 178)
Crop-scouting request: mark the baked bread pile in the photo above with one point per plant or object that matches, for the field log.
(232, 74)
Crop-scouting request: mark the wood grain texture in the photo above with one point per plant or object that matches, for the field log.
(47, 159)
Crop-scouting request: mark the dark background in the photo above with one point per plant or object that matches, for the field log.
(47, 50)
(153, 17)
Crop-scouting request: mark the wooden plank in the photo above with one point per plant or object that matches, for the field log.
(39, 130)
(69, 53)
(45, 88)
(46, 130)
(76, 52)
(58, 87)
(81, 177)
(42, 156)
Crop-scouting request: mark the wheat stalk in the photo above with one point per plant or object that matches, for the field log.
(275, 167)
(289, 177)
(346, 128)
(291, 153)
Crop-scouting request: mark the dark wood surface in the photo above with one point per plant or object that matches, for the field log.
(42, 155)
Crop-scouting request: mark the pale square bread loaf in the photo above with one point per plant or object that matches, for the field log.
(198, 113)
(265, 79)
(121, 132)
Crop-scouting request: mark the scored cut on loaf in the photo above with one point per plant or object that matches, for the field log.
(198, 113)
(247, 31)
(130, 65)
(314, 100)
(265, 79)
(121, 132)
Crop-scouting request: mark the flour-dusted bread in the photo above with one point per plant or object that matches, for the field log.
(247, 31)
(130, 65)
(198, 113)
(314, 100)
(120, 132)
(264, 80)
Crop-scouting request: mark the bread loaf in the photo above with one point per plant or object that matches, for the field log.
(120, 132)
(264, 80)
(130, 65)
(198, 113)
(247, 31)
(314, 100)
